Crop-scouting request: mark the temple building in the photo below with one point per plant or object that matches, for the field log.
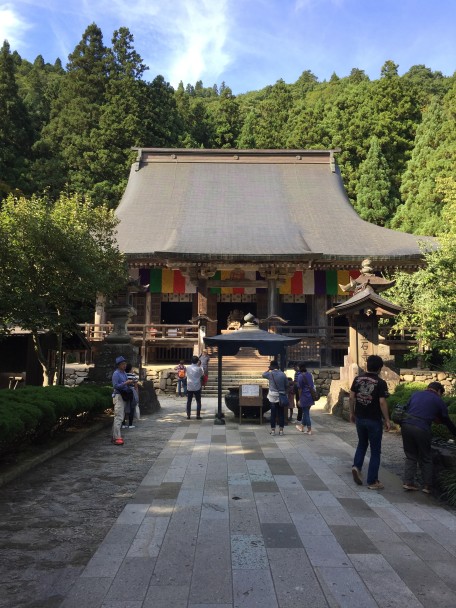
(211, 235)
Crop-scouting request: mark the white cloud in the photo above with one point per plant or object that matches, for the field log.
(185, 39)
(12, 26)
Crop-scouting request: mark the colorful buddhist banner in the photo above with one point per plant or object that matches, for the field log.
(165, 280)
(308, 282)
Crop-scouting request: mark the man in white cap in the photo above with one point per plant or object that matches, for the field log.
(120, 383)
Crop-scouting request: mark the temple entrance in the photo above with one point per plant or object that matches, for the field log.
(224, 309)
(295, 314)
(176, 313)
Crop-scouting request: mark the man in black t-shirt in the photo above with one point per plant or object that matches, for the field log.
(367, 408)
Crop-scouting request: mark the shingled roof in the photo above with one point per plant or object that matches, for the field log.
(248, 205)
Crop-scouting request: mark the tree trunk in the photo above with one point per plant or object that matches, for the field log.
(47, 379)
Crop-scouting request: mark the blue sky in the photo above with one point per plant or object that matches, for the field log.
(246, 43)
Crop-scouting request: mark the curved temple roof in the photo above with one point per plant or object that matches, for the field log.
(248, 205)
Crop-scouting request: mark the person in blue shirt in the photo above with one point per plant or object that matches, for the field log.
(120, 382)
(278, 383)
(423, 408)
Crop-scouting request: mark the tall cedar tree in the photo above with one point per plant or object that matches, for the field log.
(15, 128)
(433, 157)
(66, 140)
(226, 119)
(121, 122)
(373, 202)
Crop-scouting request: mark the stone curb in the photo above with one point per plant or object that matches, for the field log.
(29, 463)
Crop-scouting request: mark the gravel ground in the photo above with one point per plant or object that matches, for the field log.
(54, 517)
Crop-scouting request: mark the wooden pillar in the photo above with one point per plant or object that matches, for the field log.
(272, 297)
(148, 308)
(201, 293)
(320, 319)
(100, 313)
(202, 296)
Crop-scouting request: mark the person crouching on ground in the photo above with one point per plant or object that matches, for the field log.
(423, 408)
(305, 383)
(194, 379)
(367, 406)
(278, 382)
(120, 382)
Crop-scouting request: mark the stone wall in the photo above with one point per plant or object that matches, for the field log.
(425, 375)
(163, 378)
(337, 400)
(323, 378)
(76, 373)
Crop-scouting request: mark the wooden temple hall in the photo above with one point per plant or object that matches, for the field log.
(211, 235)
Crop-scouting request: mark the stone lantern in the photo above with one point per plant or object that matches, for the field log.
(363, 311)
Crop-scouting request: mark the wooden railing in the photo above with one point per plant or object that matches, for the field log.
(165, 331)
(139, 331)
(323, 345)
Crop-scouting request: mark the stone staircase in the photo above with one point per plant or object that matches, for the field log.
(244, 368)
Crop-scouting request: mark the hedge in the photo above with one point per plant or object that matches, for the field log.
(32, 415)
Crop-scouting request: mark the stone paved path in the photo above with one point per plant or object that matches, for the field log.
(230, 517)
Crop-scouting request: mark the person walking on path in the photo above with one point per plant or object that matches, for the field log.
(194, 379)
(367, 407)
(205, 358)
(305, 383)
(120, 383)
(423, 408)
(278, 382)
(181, 379)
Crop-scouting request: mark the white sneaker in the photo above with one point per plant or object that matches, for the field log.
(124, 426)
(132, 426)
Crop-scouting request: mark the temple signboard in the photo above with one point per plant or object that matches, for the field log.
(365, 336)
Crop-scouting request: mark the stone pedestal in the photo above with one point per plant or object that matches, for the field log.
(117, 343)
(119, 315)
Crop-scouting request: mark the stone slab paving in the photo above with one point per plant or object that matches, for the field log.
(238, 518)
(231, 517)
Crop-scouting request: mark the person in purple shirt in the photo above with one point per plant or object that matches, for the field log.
(423, 408)
(120, 382)
(305, 382)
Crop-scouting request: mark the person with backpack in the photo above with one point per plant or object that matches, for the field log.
(181, 371)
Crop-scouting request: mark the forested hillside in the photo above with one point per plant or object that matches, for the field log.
(72, 128)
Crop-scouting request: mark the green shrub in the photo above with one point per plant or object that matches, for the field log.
(441, 431)
(33, 414)
(403, 392)
(447, 482)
